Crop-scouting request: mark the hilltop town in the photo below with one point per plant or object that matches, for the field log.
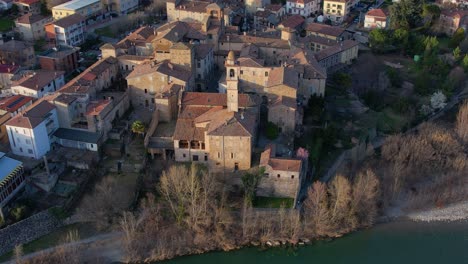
(114, 111)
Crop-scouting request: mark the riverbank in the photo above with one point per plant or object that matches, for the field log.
(453, 212)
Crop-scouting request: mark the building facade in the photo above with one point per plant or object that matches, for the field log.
(60, 58)
(31, 27)
(337, 10)
(70, 30)
(304, 8)
(375, 18)
(31, 133)
(29, 6)
(39, 83)
(86, 8)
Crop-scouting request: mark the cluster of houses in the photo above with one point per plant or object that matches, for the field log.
(201, 79)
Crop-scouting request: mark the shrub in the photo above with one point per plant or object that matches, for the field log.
(19, 212)
(272, 131)
(401, 106)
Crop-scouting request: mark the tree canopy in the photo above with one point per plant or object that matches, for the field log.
(406, 14)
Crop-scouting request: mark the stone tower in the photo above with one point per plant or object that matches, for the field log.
(232, 82)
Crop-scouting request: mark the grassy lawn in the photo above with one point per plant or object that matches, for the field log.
(54, 239)
(6, 24)
(272, 202)
(105, 31)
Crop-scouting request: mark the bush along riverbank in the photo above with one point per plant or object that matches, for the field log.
(195, 216)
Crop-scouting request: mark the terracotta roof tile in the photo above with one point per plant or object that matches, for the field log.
(376, 13)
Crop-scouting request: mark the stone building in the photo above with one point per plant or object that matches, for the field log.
(150, 79)
(450, 20)
(283, 176)
(284, 112)
(343, 53)
(217, 129)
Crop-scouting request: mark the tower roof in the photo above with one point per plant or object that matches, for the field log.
(231, 56)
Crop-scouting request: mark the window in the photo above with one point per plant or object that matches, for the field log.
(266, 74)
(236, 166)
(219, 155)
(292, 176)
(195, 157)
(146, 90)
(206, 157)
(232, 155)
(183, 155)
(241, 72)
(30, 151)
(21, 149)
(28, 141)
(278, 175)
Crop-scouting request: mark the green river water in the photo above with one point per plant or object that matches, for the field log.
(400, 242)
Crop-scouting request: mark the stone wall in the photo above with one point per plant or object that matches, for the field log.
(27, 230)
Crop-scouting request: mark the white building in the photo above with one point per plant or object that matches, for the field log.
(375, 18)
(69, 30)
(31, 133)
(39, 83)
(304, 8)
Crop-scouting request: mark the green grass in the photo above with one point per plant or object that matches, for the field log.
(105, 31)
(6, 24)
(273, 202)
(53, 239)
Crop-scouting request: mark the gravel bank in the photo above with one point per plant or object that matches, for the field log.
(454, 212)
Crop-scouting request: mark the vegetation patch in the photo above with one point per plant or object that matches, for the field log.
(273, 202)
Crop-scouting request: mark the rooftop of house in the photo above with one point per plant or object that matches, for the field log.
(15, 46)
(8, 166)
(376, 13)
(78, 135)
(216, 99)
(8, 68)
(59, 52)
(293, 22)
(76, 4)
(268, 158)
(95, 108)
(202, 50)
(33, 116)
(195, 121)
(273, 42)
(80, 84)
(283, 75)
(164, 67)
(15, 102)
(38, 79)
(66, 99)
(69, 20)
(193, 6)
(30, 18)
(273, 7)
(344, 45)
(284, 101)
(325, 29)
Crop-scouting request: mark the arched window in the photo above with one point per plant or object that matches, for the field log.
(231, 73)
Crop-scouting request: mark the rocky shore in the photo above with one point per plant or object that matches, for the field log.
(453, 212)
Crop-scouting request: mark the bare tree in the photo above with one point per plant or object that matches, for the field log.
(106, 203)
(18, 253)
(365, 194)
(316, 212)
(340, 203)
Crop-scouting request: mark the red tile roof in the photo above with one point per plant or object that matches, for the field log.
(96, 107)
(27, 2)
(376, 13)
(280, 164)
(215, 99)
(33, 116)
(38, 79)
(13, 103)
(293, 22)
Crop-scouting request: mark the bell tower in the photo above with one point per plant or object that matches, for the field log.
(232, 81)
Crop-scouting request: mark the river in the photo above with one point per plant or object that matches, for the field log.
(397, 242)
